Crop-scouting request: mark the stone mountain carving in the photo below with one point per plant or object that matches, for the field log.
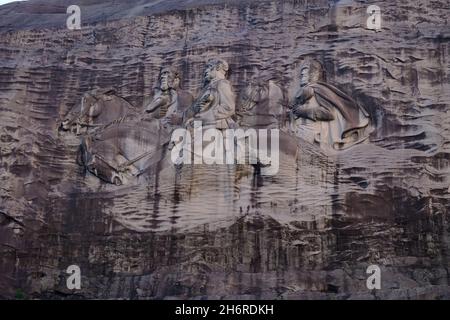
(339, 122)
(213, 232)
(262, 105)
(125, 149)
(98, 109)
(215, 106)
(121, 147)
(169, 101)
(122, 151)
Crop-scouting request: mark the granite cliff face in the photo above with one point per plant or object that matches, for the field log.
(214, 232)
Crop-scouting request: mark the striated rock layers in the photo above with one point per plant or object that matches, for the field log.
(213, 231)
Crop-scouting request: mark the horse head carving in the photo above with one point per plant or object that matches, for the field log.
(97, 109)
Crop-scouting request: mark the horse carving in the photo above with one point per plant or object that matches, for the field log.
(97, 110)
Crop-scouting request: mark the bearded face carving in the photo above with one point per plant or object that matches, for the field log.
(339, 122)
(169, 101)
(215, 106)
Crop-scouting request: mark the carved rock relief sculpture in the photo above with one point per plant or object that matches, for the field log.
(169, 100)
(309, 232)
(262, 105)
(216, 104)
(326, 115)
(123, 147)
(124, 150)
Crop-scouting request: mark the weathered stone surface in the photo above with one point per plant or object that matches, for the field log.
(217, 231)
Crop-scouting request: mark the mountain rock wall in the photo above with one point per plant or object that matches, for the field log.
(308, 232)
